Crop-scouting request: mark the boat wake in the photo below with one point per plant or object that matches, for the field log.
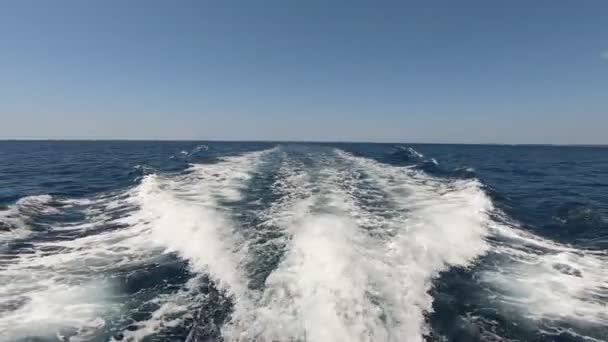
(286, 244)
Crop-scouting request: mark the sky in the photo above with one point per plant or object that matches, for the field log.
(448, 71)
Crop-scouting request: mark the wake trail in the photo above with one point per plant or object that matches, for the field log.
(357, 267)
(281, 195)
(188, 216)
(550, 283)
(445, 223)
(59, 286)
(287, 244)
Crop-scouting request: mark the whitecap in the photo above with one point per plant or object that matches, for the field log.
(339, 281)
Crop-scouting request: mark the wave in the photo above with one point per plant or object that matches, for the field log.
(554, 285)
(191, 153)
(57, 284)
(436, 224)
(185, 215)
(15, 219)
(353, 272)
(547, 281)
(347, 249)
(405, 155)
(60, 285)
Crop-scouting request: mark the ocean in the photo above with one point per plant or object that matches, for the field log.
(250, 241)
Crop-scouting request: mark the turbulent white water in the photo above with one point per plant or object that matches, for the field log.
(549, 281)
(359, 245)
(184, 215)
(353, 274)
(59, 285)
(15, 217)
(56, 285)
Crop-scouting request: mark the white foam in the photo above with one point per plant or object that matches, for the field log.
(438, 224)
(38, 201)
(543, 279)
(61, 283)
(199, 148)
(173, 309)
(339, 282)
(412, 151)
(352, 271)
(194, 151)
(15, 217)
(185, 215)
(549, 281)
(51, 306)
(294, 189)
(318, 293)
(190, 228)
(315, 292)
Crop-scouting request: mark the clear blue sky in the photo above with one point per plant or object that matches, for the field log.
(426, 71)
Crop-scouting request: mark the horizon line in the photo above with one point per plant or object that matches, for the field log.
(292, 141)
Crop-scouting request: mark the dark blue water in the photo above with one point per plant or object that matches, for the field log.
(211, 241)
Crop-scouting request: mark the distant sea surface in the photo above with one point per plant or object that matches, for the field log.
(240, 241)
